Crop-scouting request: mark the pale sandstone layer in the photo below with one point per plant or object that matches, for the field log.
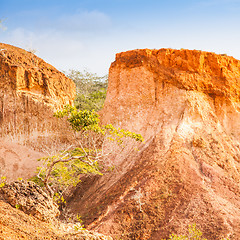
(186, 105)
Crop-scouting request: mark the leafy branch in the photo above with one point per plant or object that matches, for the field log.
(66, 168)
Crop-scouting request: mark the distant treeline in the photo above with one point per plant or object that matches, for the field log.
(90, 89)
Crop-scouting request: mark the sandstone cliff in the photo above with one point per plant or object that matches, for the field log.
(30, 91)
(186, 105)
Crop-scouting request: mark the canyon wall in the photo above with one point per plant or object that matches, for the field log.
(30, 91)
(186, 105)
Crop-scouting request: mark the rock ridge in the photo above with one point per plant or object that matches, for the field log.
(210, 73)
(25, 73)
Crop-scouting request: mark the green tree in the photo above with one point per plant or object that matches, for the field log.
(66, 168)
(90, 89)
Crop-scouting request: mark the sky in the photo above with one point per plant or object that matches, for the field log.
(86, 34)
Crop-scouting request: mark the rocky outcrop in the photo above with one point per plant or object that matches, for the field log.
(33, 215)
(25, 73)
(30, 90)
(15, 224)
(186, 105)
(31, 199)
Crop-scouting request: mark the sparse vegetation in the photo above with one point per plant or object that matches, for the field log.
(65, 169)
(79, 225)
(3, 181)
(17, 206)
(193, 234)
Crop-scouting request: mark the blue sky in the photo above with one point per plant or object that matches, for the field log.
(86, 34)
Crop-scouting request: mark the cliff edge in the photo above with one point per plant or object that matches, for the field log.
(30, 90)
(26, 74)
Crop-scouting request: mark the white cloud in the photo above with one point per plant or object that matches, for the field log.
(71, 41)
(87, 21)
(20, 37)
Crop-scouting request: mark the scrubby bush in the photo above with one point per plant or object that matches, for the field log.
(64, 169)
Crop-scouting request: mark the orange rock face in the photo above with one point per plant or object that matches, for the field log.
(30, 91)
(28, 75)
(186, 105)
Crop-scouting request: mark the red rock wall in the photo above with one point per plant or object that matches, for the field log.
(186, 105)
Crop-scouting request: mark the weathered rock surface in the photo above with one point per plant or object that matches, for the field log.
(30, 91)
(15, 224)
(186, 105)
(26, 74)
(31, 199)
(18, 161)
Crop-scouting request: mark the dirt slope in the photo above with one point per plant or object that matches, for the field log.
(186, 105)
(27, 212)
